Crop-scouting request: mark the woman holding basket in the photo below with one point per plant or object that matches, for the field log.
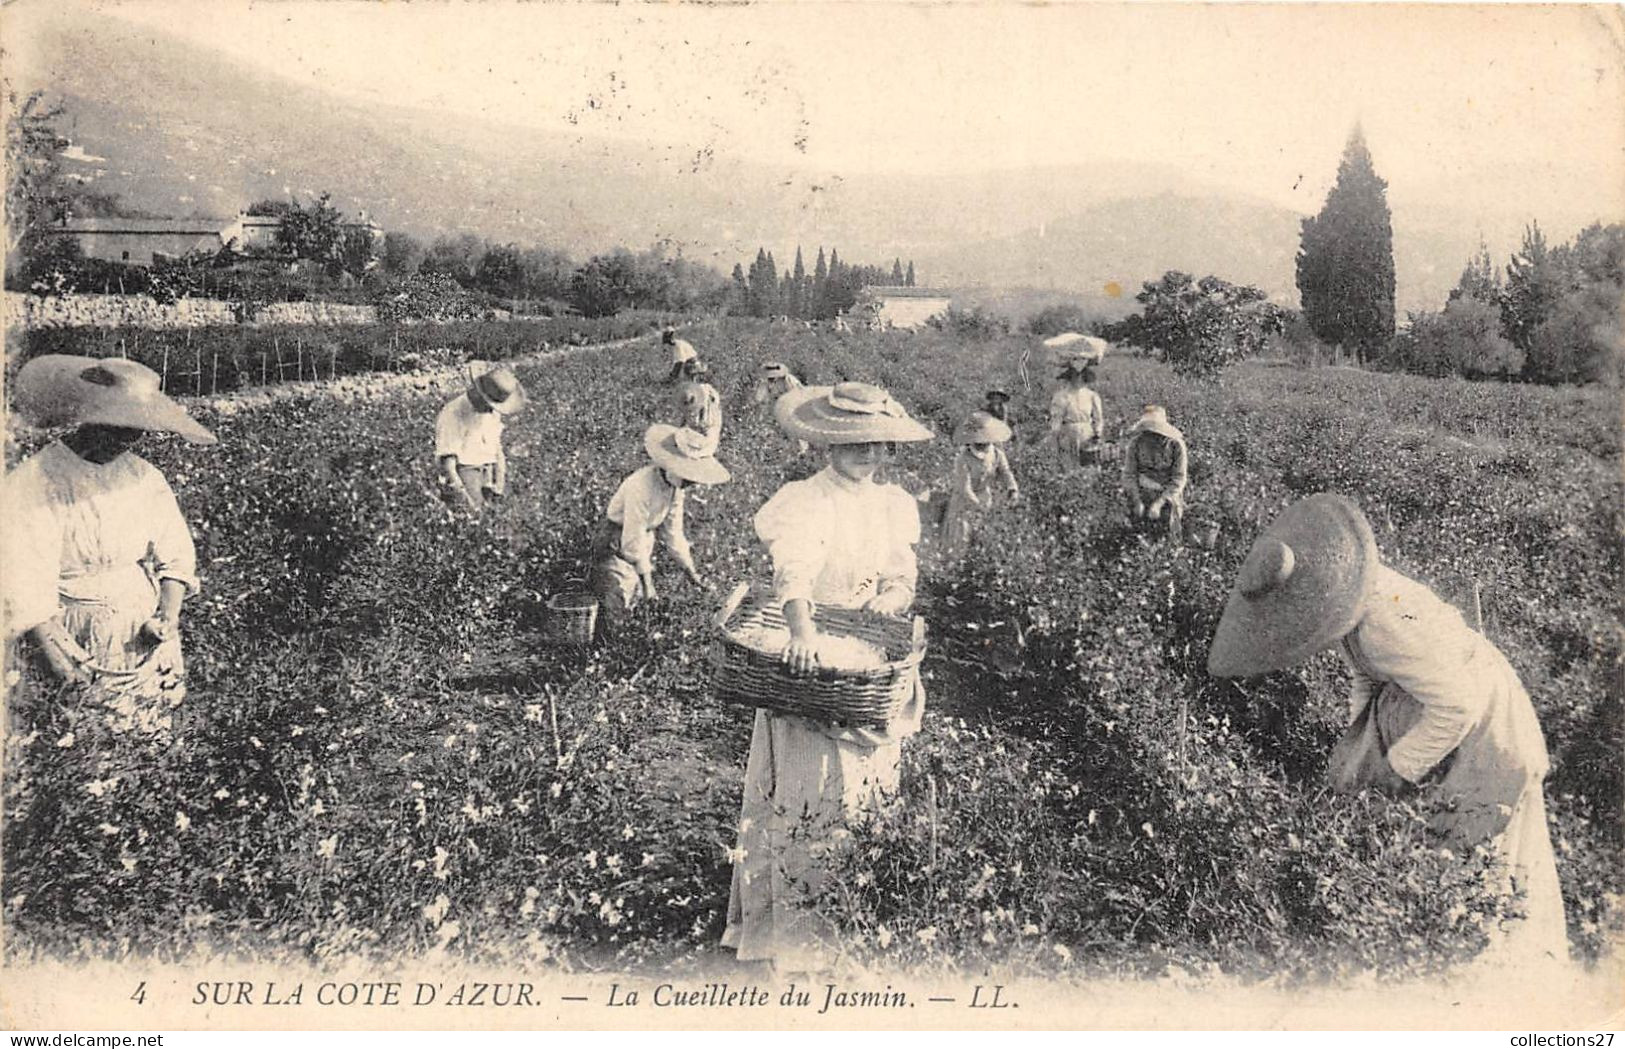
(838, 539)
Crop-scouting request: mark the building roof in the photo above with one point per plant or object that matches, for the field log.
(199, 227)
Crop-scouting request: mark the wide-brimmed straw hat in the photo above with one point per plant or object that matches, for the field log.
(847, 413)
(64, 390)
(1154, 419)
(1075, 346)
(1302, 587)
(684, 452)
(498, 389)
(982, 428)
(682, 350)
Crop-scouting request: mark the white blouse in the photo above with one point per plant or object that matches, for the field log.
(474, 437)
(1412, 638)
(840, 542)
(80, 530)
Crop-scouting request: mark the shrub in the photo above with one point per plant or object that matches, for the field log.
(1583, 339)
(974, 323)
(1463, 339)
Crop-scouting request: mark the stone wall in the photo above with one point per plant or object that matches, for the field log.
(141, 311)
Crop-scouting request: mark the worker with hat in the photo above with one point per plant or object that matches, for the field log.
(1155, 471)
(1076, 416)
(699, 405)
(1432, 703)
(468, 438)
(682, 351)
(99, 559)
(837, 539)
(980, 463)
(773, 381)
(648, 505)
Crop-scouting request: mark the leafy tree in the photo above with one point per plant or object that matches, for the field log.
(35, 192)
(315, 233)
(1535, 282)
(457, 257)
(606, 284)
(1345, 271)
(1582, 340)
(402, 254)
(1059, 317)
(1463, 339)
(271, 208)
(501, 271)
(1479, 280)
(1200, 327)
(546, 273)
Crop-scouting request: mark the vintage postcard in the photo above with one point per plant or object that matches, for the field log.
(886, 516)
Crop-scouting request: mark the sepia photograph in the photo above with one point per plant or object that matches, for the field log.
(809, 515)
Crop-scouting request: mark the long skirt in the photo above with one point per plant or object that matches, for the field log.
(1077, 444)
(135, 684)
(1490, 792)
(802, 786)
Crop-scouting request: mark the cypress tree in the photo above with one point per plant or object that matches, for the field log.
(1346, 258)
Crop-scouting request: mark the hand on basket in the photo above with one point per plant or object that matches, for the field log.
(801, 655)
(889, 602)
(157, 630)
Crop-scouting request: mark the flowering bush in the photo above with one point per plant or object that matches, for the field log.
(378, 755)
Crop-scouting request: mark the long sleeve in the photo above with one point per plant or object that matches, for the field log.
(637, 531)
(1176, 484)
(30, 558)
(671, 531)
(1361, 687)
(1413, 639)
(1097, 415)
(171, 546)
(963, 481)
(789, 525)
(1002, 469)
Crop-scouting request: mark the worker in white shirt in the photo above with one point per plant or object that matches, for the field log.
(468, 440)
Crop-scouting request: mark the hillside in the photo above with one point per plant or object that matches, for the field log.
(179, 130)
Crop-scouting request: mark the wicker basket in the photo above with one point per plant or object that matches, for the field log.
(1204, 535)
(751, 677)
(571, 617)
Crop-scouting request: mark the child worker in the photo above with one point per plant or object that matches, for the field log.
(1433, 705)
(838, 539)
(647, 505)
(774, 381)
(1155, 470)
(980, 462)
(699, 404)
(1076, 417)
(468, 439)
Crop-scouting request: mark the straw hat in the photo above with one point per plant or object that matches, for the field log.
(685, 453)
(847, 413)
(498, 389)
(998, 395)
(982, 428)
(1154, 419)
(1073, 346)
(682, 350)
(1302, 587)
(774, 370)
(62, 390)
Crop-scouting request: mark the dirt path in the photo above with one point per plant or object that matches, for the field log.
(372, 386)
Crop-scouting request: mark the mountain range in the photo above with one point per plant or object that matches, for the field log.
(173, 128)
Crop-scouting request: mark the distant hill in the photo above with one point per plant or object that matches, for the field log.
(178, 130)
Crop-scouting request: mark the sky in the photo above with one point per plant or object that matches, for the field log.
(1503, 100)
